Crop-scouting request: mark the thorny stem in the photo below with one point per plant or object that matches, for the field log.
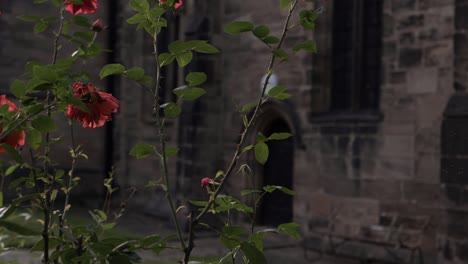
(48, 203)
(238, 149)
(70, 179)
(162, 142)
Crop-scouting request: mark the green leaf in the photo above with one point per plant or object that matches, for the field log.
(171, 110)
(198, 203)
(247, 148)
(165, 59)
(307, 18)
(277, 90)
(155, 13)
(248, 106)
(285, 3)
(44, 124)
(139, 5)
(280, 53)
(141, 151)
(179, 46)
(204, 47)
(111, 69)
(261, 137)
(261, 31)
(45, 73)
(53, 243)
(40, 27)
(12, 152)
(261, 152)
(271, 40)
(189, 93)
(86, 36)
(184, 58)
(30, 18)
(233, 230)
(252, 253)
(272, 188)
(18, 88)
(229, 242)
(135, 73)
(279, 136)
(247, 192)
(149, 241)
(256, 239)
(308, 45)
(137, 18)
(81, 21)
(19, 229)
(290, 229)
(239, 27)
(195, 78)
(171, 151)
(10, 170)
(78, 103)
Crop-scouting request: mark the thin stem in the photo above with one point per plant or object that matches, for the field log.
(162, 141)
(48, 203)
(238, 149)
(250, 122)
(70, 176)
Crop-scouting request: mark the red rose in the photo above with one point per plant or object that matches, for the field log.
(205, 182)
(100, 104)
(177, 5)
(16, 138)
(88, 7)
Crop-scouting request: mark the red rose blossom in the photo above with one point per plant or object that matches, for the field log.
(205, 182)
(100, 104)
(176, 5)
(88, 7)
(16, 138)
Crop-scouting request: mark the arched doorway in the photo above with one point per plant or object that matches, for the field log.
(277, 207)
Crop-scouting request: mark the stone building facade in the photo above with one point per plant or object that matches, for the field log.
(379, 115)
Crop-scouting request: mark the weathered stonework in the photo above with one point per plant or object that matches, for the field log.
(409, 157)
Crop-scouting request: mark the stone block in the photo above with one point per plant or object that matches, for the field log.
(411, 22)
(410, 57)
(333, 168)
(403, 5)
(428, 194)
(439, 55)
(395, 168)
(397, 146)
(381, 190)
(427, 168)
(422, 80)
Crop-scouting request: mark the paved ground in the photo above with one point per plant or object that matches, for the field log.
(279, 249)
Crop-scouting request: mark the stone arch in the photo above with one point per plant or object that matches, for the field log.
(277, 117)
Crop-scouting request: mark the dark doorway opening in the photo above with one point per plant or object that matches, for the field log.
(278, 170)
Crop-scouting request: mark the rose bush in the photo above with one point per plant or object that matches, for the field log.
(48, 90)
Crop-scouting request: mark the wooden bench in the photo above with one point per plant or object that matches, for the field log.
(394, 239)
